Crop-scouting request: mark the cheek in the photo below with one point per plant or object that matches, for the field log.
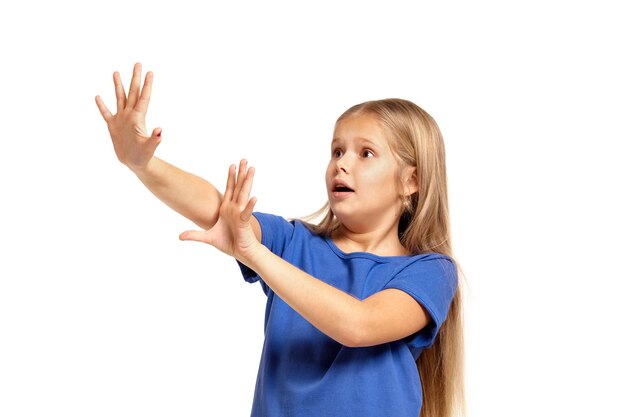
(386, 183)
(328, 177)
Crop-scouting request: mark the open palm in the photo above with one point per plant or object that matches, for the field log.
(233, 233)
(132, 145)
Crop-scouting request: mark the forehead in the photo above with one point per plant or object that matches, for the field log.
(361, 127)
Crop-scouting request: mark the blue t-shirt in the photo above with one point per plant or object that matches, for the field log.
(305, 373)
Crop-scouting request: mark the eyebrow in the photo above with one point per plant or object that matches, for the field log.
(359, 139)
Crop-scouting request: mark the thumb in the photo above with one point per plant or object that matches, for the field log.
(196, 235)
(156, 134)
(155, 139)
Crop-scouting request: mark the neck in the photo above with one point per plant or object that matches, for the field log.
(381, 241)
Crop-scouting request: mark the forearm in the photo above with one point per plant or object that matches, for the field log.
(332, 311)
(186, 193)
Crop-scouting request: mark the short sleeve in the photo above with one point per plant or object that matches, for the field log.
(276, 234)
(432, 281)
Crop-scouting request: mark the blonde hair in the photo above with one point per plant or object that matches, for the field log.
(424, 227)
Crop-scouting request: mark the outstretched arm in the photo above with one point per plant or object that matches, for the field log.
(383, 317)
(191, 196)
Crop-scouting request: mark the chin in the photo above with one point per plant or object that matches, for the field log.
(352, 223)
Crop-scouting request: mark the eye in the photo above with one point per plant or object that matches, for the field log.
(367, 153)
(337, 153)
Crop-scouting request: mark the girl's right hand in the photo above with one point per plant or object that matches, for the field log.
(132, 145)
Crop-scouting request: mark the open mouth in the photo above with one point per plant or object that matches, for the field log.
(343, 189)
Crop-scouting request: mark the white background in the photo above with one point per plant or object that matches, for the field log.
(104, 312)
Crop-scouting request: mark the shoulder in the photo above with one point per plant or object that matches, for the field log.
(434, 271)
(271, 222)
(431, 261)
(278, 232)
(431, 279)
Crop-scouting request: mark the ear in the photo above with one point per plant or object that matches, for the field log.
(409, 181)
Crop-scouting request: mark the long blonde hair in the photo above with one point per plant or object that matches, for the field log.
(424, 227)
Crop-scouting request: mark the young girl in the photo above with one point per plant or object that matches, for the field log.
(354, 302)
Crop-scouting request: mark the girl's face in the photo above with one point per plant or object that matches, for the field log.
(362, 176)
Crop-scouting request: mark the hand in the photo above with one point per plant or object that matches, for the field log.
(232, 234)
(132, 145)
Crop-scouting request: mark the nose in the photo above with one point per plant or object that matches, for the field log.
(342, 164)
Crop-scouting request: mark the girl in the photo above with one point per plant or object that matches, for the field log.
(354, 302)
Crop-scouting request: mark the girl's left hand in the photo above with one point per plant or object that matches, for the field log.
(233, 233)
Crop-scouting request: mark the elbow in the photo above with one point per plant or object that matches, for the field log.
(352, 342)
(204, 225)
(206, 222)
(348, 340)
(355, 335)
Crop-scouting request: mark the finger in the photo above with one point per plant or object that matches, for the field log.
(106, 114)
(247, 212)
(120, 94)
(155, 139)
(194, 235)
(230, 183)
(156, 133)
(133, 91)
(146, 92)
(241, 176)
(244, 194)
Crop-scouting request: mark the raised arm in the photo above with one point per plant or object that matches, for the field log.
(385, 316)
(191, 196)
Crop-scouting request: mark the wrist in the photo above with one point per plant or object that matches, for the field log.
(253, 257)
(144, 170)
